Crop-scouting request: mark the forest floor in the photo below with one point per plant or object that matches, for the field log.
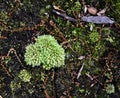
(92, 61)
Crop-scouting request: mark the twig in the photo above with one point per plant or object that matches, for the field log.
(53, 84)
(45, 90)
(14, 51)
(80, 70)
(68, 41)
(12, 10)
(3, 57)
(60, 34)
(3, 37)
(58, 30)
(64, 15)
(87, 46)
(27, 28)
(8, 73)
(3, 66)
(91, 78)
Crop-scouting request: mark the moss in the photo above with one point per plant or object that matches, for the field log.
(14, 86)
(45, 51)
(76, 7)
(24, 75)
(32, 56)
(110, 88)
(94, 36)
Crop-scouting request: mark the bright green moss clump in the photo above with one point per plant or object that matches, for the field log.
(45, 51)
(32, 55)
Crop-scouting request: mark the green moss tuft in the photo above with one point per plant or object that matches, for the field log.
(32, 56)
(45, 51)
(94, 36)
(110, 88)
(24, 75)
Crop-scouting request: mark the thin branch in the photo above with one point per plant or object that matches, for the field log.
(8, 73)
(80, 70)
(14, 51)
(45, 90)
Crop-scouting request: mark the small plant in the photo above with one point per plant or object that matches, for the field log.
(76, 7)
(110, 88)
(45, 51)
(94, 36)
(24, 75)
(32, 56)
(14, 86)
